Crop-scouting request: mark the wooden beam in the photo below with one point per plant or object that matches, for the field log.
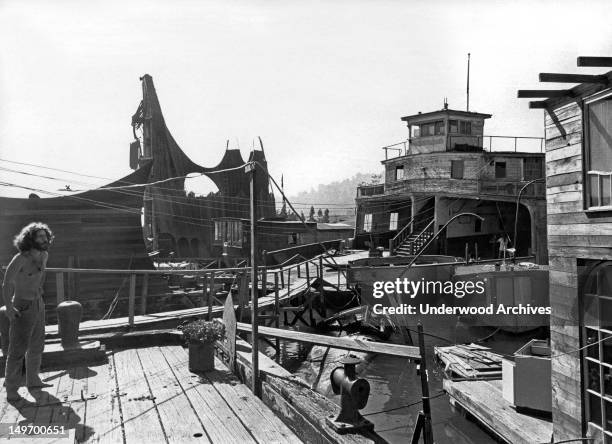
(539, 104)
(572, 78)
(343, 342)
(595, 61)
(529, 93)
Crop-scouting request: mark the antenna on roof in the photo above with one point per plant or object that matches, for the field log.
(468, 83)
(445, 102)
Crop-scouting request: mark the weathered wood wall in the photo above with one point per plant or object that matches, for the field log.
(573, 235)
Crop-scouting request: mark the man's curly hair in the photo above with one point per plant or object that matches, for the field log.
(24, 241)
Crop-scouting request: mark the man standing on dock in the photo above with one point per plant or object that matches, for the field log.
(22, 292)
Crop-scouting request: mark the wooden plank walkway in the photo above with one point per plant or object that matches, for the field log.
(484, 401)
(146, 395)
(266, 302)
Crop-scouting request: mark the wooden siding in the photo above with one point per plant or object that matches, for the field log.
(573, 234)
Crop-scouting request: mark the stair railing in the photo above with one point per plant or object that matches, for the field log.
(422, 237)
(405, 232)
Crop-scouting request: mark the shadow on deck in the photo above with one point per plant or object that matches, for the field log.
(144, 395)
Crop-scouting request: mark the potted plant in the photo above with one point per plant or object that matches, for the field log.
(201, 336)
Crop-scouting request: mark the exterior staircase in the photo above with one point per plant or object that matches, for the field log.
(415, 241)
(410, 243)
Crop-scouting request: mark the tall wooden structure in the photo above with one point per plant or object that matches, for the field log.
(578, 189)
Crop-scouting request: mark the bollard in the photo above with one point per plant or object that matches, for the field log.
(354, 393)
(4, 330)
(68, 320)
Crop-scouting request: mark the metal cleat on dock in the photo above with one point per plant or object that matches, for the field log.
(354, 393)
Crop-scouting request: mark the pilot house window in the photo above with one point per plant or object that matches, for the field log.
(598, 128)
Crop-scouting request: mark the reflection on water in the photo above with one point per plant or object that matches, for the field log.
(394, 383)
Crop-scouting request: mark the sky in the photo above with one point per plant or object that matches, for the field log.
(323, 83)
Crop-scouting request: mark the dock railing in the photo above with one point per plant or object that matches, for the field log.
(292, 275)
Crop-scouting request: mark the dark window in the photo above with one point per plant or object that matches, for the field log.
(477, 226)
(500, 170)
(427, 129)
(598, 118)
(532, 168)
(430, 129)
(457, 169)
(453, 126)
(465, 127)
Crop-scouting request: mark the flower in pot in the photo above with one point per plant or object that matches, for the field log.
(201, 336)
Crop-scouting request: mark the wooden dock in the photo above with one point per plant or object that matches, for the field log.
(484, 401)
(146, 395)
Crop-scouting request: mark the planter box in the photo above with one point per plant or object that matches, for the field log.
(526, 382)
(201, 357)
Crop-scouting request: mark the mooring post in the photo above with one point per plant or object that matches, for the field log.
(427, 431)
(255, 383)
(59, 286)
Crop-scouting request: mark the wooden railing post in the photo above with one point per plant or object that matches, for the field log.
(211, 296)
(205, 290)
(282, 277)
(322, 297)
(132, 299)
(59, 286)
(276, 315)
(144, 293)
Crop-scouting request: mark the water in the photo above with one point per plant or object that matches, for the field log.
(394, 383)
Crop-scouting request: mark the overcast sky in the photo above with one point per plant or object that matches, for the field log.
(323, 83)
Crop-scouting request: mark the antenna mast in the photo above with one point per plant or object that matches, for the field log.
(468, 83)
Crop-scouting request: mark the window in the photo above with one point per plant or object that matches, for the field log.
(427, 129)
(532, 168)
(477, 226)
(229, 231)
(432, 128)
(367, 222)
(500, 170)
(393, 221)
(596, 308)
(294, 239)
(598, 129)
(399, 172)
(456, 169)
(453, 126)
(465, 127)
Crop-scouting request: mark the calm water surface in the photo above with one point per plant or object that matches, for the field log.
(395, 383)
